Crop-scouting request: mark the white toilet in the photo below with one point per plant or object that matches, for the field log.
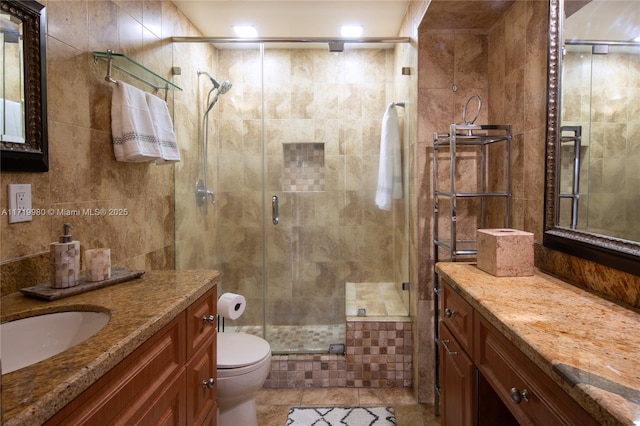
(244, 362)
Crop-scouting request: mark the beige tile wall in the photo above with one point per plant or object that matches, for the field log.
(83, 173)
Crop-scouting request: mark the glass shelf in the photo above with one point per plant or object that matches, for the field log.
(131, 67)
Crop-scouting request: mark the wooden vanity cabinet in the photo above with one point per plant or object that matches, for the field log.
(530, 395)
(170, 379)
(486, 379)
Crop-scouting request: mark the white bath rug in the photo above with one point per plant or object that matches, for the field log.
(341, 416)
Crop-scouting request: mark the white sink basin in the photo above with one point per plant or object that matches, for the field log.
(29, 340)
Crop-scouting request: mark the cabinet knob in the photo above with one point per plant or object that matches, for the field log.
(518, 396)
(449, 313)
(211, 319)
(209, 383)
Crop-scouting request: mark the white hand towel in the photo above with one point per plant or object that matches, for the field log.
(390, 168)
(163, 128)
(132, 130)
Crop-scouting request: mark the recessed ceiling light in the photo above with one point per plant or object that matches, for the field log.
(245, 31)
(351, 30)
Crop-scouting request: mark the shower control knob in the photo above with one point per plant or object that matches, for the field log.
(208, 383)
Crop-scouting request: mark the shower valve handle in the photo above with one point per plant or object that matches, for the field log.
(211, 196)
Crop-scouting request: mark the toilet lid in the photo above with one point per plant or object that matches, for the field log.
(237, 350)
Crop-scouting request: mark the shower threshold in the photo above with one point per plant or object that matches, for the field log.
(303, 339)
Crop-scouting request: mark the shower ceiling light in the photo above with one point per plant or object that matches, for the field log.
(245, 31)
(351, 30)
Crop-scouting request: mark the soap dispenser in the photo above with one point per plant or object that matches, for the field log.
(65, 260)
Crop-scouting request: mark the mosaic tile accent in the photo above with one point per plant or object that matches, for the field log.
(378, 355)
(307, 371)
(303, 167)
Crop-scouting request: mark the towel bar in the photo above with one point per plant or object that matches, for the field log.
(134, 69)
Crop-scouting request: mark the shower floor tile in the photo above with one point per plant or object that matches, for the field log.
(297, 338)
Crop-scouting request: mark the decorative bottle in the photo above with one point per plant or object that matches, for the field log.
(65, 261)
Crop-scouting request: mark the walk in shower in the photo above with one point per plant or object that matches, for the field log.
(292, 153)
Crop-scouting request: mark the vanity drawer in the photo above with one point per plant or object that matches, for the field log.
(457, 314)
(530, 395)
(201, 321)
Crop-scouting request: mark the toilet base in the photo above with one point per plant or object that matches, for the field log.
(242, 414)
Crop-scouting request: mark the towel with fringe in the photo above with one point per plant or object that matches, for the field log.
(390, 167)
(163, 129)
(132, 130)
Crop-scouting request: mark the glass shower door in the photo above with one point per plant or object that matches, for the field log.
(304, 256)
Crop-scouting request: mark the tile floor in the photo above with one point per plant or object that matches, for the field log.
(274, 404)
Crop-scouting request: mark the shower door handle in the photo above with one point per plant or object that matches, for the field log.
(274, 210)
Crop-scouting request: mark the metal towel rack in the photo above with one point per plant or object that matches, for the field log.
(134, 69)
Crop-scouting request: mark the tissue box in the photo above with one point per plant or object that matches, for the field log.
(505, 252)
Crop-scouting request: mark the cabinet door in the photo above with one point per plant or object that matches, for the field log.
(201, 321)
(168, 408)
(202, 384)
(457, 382)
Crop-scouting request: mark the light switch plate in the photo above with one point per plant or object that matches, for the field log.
(19, 200)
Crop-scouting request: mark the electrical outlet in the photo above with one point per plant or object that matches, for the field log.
(19, 197)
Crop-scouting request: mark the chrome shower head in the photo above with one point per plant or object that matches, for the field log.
(225, 87)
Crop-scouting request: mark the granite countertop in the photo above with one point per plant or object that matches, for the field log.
(138, 309)
(586, 344)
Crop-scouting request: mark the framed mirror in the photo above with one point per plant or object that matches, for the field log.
(592, 193)
(23, 100)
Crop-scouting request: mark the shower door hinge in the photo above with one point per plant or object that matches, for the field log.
(405, 286)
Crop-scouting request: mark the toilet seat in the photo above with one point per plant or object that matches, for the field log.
(240, 353)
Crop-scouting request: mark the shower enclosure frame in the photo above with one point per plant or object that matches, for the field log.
(267, 197)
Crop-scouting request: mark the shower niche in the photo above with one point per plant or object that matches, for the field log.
(303, 168)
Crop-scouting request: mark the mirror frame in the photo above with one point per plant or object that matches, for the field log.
(609, 251)
(33, 155)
